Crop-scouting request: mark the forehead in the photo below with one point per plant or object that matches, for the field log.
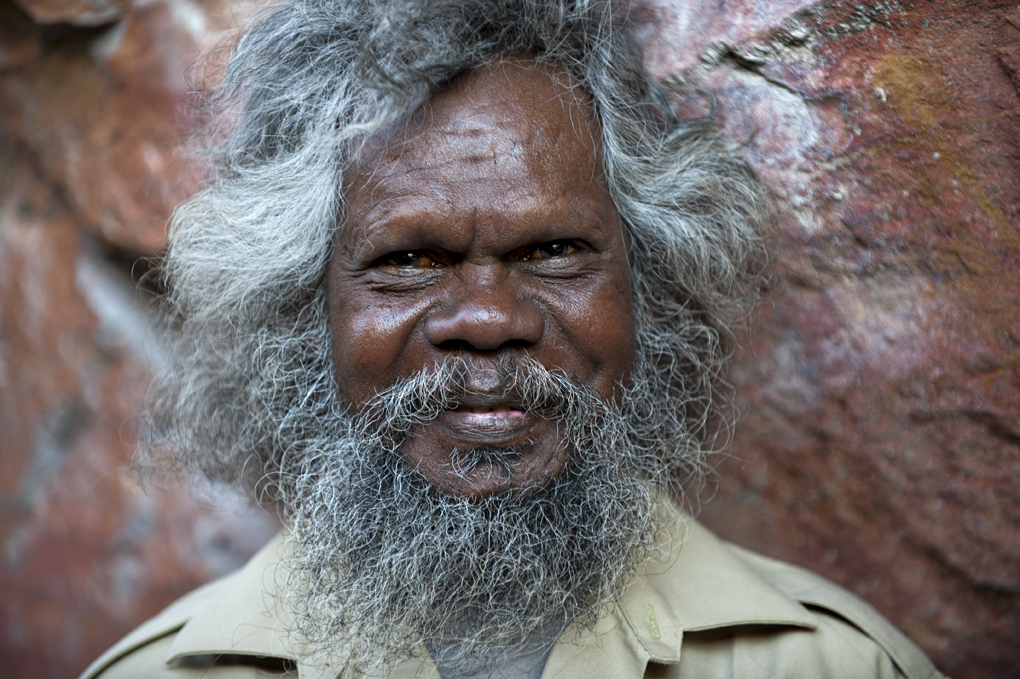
(513, 127)
(527, 100)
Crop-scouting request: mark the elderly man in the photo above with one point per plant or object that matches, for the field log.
(454, 306)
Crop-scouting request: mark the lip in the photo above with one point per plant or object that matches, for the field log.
(488, 421)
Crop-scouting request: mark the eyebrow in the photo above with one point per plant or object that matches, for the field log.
(402, 224)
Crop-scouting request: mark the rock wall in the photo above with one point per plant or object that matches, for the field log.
(90, 117)
(879, 380)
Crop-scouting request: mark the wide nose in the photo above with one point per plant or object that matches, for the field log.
(485, 312)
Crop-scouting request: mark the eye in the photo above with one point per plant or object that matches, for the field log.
(551, 250)
(408, 259)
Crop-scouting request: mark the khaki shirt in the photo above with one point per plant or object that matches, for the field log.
(699, 608)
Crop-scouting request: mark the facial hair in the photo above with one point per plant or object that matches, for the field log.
(383, 564)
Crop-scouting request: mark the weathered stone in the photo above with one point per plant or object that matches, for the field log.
(880, 379)
(87, 554)
(118, 157)
(75, 12)
(20, 43)
(124, 137)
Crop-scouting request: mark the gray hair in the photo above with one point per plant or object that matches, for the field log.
(247, 255)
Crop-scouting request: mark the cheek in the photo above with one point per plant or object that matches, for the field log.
(600, 325)
(371, 344)
(614, 337)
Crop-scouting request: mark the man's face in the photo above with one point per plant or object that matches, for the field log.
(481, 227)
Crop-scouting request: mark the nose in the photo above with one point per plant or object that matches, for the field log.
(486, 312)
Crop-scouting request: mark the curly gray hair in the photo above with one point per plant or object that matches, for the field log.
(247, 255)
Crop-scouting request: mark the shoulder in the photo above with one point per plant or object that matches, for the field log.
(228, 628)
(841, 614)
(145, 642)
(706, 608)
(850, 639)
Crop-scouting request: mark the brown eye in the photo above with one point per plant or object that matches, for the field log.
(552, 250)
(409, 259)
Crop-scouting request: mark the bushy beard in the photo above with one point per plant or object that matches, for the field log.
(384, 565)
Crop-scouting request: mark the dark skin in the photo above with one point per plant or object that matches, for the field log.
(481, 225)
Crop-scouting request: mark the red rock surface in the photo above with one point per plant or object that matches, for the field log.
(90, 123)
(879, 380)
(76, 12)
(87, 554)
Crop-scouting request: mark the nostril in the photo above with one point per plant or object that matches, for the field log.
(455, 346)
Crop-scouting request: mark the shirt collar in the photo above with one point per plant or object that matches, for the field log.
(692, 582)
(245, 617)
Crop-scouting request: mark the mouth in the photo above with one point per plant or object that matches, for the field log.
(482, 410)
(481, 420)
(482, 414)
(485, 443)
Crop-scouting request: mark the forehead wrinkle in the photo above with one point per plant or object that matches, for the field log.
(395, 217)
(391, 199)
(418, 203)
(415, 133)
(475, 149)
(464, 127)
(585, 126)
(388, 208)
(418, 153)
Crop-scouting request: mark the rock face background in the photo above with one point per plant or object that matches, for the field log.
(879, 379)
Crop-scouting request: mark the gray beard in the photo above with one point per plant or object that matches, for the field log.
(384, 565)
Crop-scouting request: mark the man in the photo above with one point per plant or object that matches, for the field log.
(454, 307)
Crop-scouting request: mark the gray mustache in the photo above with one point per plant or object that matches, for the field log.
(519, 380)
